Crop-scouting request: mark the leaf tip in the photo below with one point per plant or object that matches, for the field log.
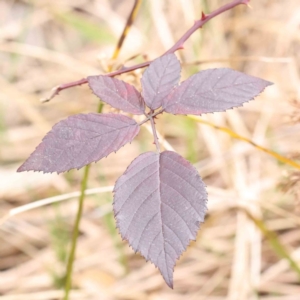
(170, 283)
(20, 169)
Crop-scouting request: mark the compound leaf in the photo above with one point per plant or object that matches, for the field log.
(117, 93)
(79, 140)
(213, 90)
(159, 203)
(159, 79)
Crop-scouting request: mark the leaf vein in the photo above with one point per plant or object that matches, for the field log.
(180, 216)
(140, 206)
(146, 227)
(174, 232)
(136, 189)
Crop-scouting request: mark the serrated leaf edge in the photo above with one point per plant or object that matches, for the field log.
(127, 240)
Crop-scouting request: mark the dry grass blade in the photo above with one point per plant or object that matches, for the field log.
(50, 56)
(274, 241)
(126, 29)
(264, 59)
(45, 43)
(47, 295)
(39, 203)
(276, 155)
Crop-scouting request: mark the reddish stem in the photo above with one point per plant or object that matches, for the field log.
(65, 86)
(204, 19)
(151, 115)
(57, 89)
(178, 45)
(155, 134)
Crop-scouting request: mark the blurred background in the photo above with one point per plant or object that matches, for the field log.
(249, 246)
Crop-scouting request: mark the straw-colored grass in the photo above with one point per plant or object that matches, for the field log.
(253, 197)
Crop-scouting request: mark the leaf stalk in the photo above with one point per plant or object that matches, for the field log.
(155, 134)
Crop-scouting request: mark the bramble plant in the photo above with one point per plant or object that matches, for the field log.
(160, 200)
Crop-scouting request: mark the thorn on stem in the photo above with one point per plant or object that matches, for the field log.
(203, 16)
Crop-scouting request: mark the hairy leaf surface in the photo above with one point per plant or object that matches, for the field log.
(159, 203)
(159, 79)
(213, 90)
(117, 93)
(79, 140)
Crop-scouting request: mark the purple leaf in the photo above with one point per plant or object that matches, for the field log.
(159, 203)
(213, 90)
(159, 79)
(79, 140)
(117, 93)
